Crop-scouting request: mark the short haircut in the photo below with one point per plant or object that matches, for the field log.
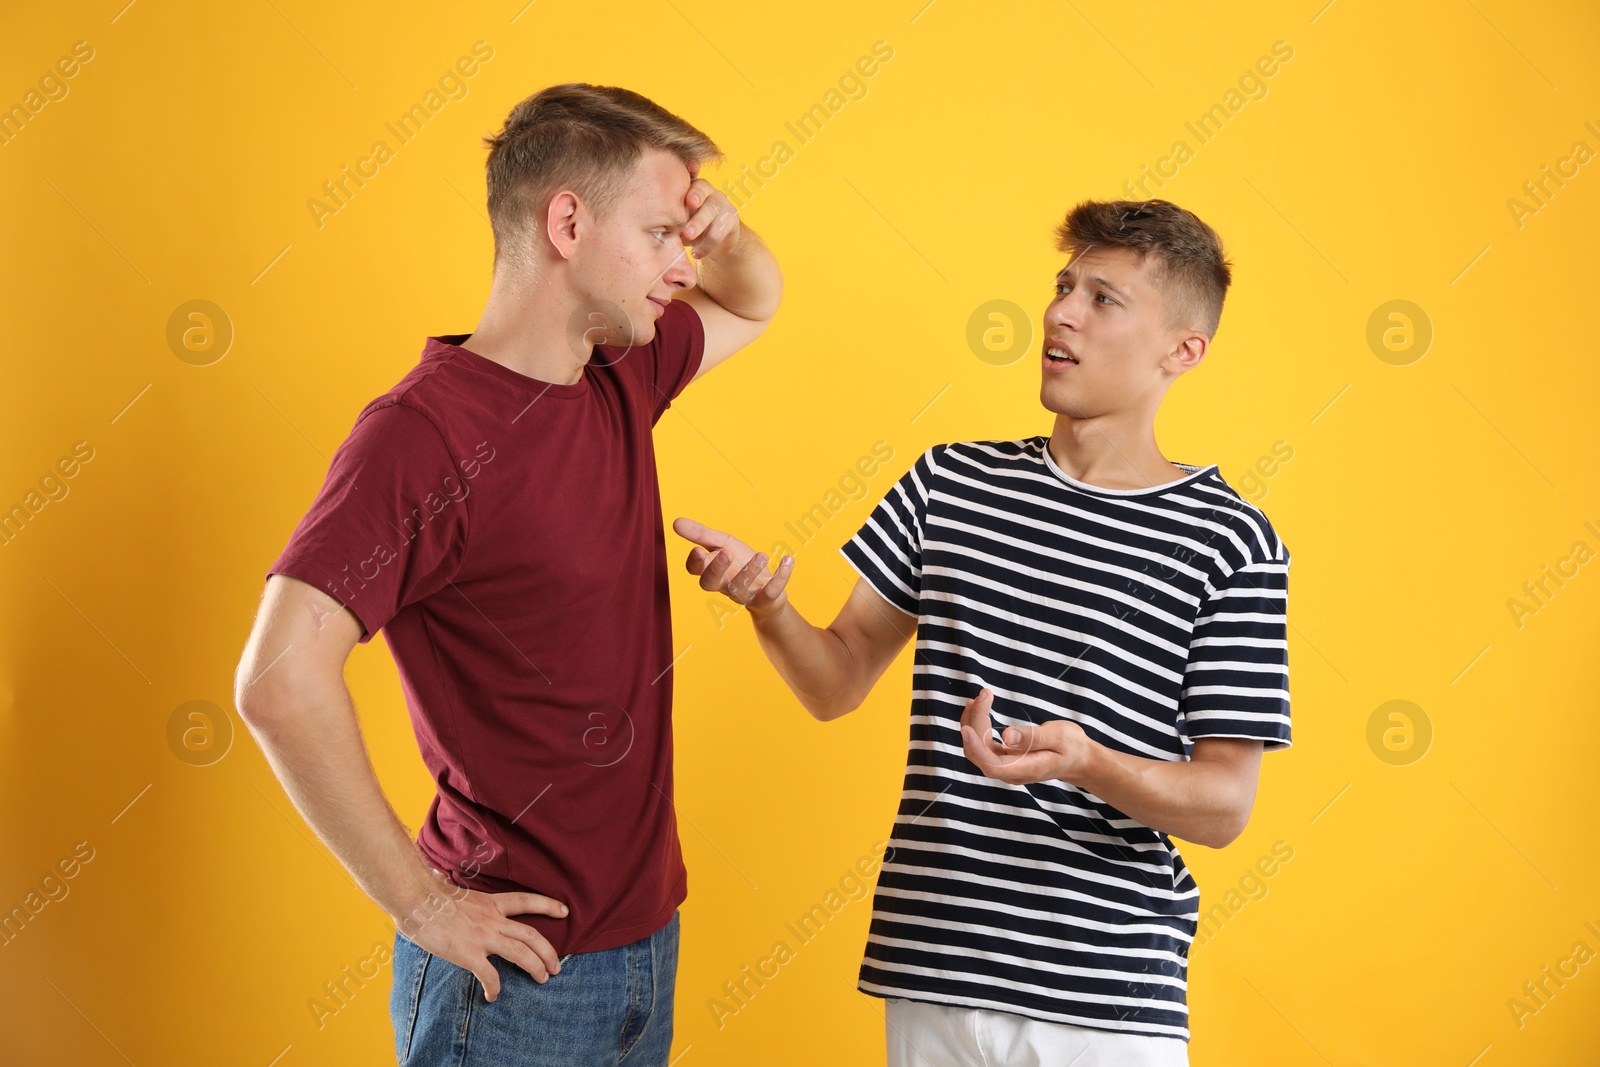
(587, 138)
(1190, 270)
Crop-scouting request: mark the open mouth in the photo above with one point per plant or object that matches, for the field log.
(1059, 356)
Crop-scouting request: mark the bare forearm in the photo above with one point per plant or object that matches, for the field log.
(313, 741)
(811, 660)
(744, 279)
(1196, 800)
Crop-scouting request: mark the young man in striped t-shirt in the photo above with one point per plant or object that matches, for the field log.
(1117, 617)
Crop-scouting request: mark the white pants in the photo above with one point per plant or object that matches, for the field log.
(941, 1035)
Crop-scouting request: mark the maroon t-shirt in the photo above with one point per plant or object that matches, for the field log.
(506, 535)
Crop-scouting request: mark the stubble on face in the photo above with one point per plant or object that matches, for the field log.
(640, 242)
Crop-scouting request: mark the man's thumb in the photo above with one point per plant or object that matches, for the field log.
(1019, 735)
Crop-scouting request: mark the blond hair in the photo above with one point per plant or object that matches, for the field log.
(586, 138)
(1190, 270)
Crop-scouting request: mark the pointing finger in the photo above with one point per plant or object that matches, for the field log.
(698, 532)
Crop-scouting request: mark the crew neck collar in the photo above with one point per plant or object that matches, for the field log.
(1195, 473)
(450, 345)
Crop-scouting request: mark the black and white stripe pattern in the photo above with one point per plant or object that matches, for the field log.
(1152, 618)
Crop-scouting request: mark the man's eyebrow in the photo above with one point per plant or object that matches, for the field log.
(1065, 271)
(678, 221)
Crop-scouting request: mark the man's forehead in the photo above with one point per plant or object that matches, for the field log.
(658, 203)
(659, 184)
(666, 218)
(1122, 268)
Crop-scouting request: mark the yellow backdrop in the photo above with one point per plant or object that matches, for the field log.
(1403, 379)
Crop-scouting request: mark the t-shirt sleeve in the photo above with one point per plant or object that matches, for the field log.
(679, 346)
(388, 527)
(887, 550)
(1236, 682)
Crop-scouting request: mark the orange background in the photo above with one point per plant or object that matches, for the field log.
(1424, 485)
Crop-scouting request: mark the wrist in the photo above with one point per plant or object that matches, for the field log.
(744, 278)
(1085, 764)
(427, 892)
(769, 615)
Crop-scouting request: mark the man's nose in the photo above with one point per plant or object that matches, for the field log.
(1060, 313)
(681, 274)
(1066, 311)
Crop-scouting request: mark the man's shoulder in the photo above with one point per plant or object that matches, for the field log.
(979, 456)
(435, 398)
(1217, 502)
(396, 414)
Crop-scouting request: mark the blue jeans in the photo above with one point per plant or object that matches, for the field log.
(608, 1007)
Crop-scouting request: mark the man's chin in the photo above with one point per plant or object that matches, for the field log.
(638, 331)
(1054, 399)
(1062, 402)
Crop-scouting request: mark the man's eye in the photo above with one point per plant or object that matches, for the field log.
(1061, 286)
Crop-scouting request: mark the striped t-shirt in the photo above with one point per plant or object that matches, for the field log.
(1150, 617)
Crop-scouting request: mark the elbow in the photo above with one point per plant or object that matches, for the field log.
(263, 702)
(248, 700)
(835, 708)
(256, 707)
(1227, 829)
(829, 711)
(255, 684)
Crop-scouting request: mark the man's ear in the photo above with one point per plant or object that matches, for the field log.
(1190, 350)
(561, 223)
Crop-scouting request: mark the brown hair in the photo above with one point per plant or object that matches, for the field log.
(1190, 270)
(586, 138)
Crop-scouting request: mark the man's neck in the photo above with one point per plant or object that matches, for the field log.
(1111, 452)
(526, 326)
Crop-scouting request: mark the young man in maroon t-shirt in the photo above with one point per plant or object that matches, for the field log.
(496, 514)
